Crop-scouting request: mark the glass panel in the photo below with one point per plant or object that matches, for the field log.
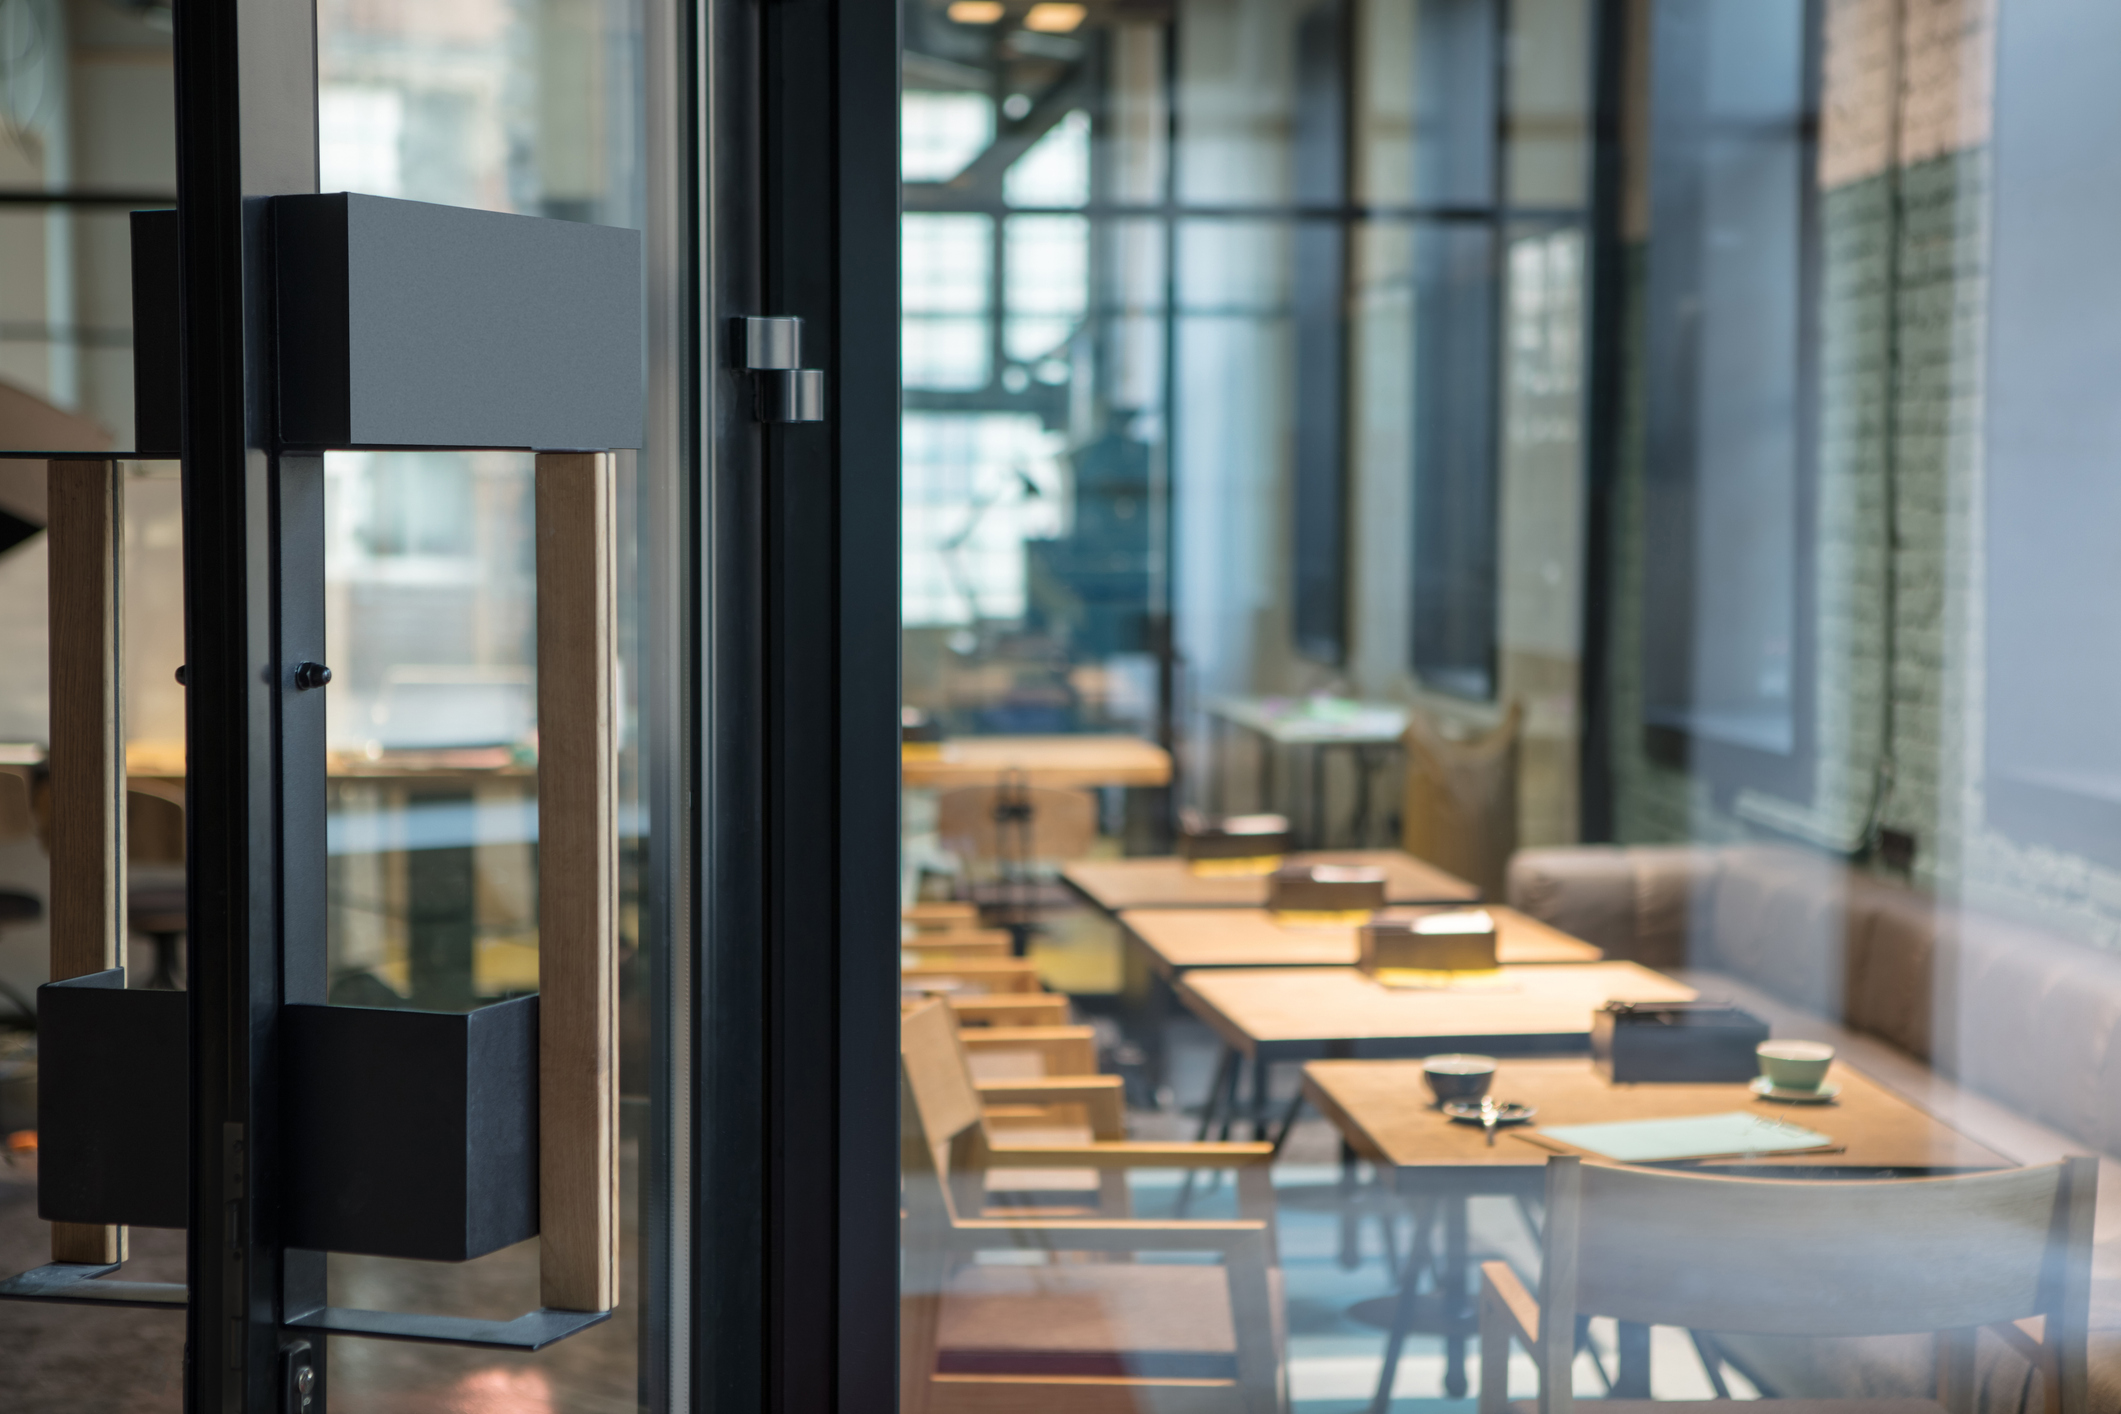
(86, 108)
(1646, 466)
(948, 262)
(431, 614)
(1730, 169)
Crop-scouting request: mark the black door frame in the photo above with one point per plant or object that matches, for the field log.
(797, 1256)
(772, 702)
(246, 130)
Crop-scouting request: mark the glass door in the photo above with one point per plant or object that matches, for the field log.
(344, 828)
(485, 575)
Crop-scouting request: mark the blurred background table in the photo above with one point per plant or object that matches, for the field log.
(1314, 725)
(1052, 761)
(1175, 940)
(1166, 881)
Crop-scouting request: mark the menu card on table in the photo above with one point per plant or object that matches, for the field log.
(1736, 1135)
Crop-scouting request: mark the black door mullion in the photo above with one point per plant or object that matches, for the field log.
(796, 1099)
(246, 129)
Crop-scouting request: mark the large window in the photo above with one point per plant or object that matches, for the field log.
(2052, 673)
(1731, 360)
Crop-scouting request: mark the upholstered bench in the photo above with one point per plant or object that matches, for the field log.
(2009, 1032)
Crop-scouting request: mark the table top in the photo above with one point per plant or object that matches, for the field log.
(1315, 721)
(1181, 938)
(1298, 1013)
(1385, 1112)
(1058, 761)
(1166, 881)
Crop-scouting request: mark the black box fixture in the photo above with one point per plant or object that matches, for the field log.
(156, 401)
(410, 1133)
(113, 1103)
(1325, 888)
(1700, 1042)
(404, 324)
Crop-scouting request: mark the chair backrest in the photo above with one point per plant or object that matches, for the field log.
(943, 1138)
(154, 827)
(1460, 808)
(1811, 1258)
(16, 820)
(940, 917)
(978, 974)
(934, 948)
(1059, 824)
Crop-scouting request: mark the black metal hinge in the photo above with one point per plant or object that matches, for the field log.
(771, 350)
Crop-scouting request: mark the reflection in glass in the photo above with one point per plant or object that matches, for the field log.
(1729, 271)
(947, 260)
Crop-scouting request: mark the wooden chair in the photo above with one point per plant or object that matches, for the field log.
(1460, 808)
(1011, 1009)
(155, 896)
(1002, 974)
(940, 917)
(17, 820)
(967, 943)
(2010, 1251)
(1100, 1337)
(979, 824)
(1011, 838)
(1027, 1052)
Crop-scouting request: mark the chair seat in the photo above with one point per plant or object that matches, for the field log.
(1764, 1406)
(1150, 1320)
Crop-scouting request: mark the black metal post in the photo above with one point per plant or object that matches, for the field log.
(797, 1251)
(246, 129)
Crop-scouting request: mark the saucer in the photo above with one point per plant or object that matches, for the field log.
(1468, 1112)
(1766, 1090)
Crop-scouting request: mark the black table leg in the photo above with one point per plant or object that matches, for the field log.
(1266, 772)
(1262, 1079)
(1402, 1320)
(1452, 1288)
(1350, 1219)
(1363, 768)
(1320, 832)
(1221, 1102)
(1419, 1257)
(1288, 1121)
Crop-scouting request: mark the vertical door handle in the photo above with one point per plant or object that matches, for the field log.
(84, 536)
(578, 1040)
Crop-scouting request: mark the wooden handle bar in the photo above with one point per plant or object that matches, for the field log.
(578, 1071)
(84, 534)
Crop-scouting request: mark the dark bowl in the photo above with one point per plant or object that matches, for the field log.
(1458, 1077)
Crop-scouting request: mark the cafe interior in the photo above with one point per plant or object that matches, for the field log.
(1505, 661)
(1509, 651)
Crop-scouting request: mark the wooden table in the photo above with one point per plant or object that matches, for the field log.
(1166, 881)
(1384, 1112)
(1174, 940)
(1316, 724)
(1266, 1015)
(1311, 1013)
(1056, 761)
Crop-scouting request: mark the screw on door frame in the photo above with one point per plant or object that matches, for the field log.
(298, 1378)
